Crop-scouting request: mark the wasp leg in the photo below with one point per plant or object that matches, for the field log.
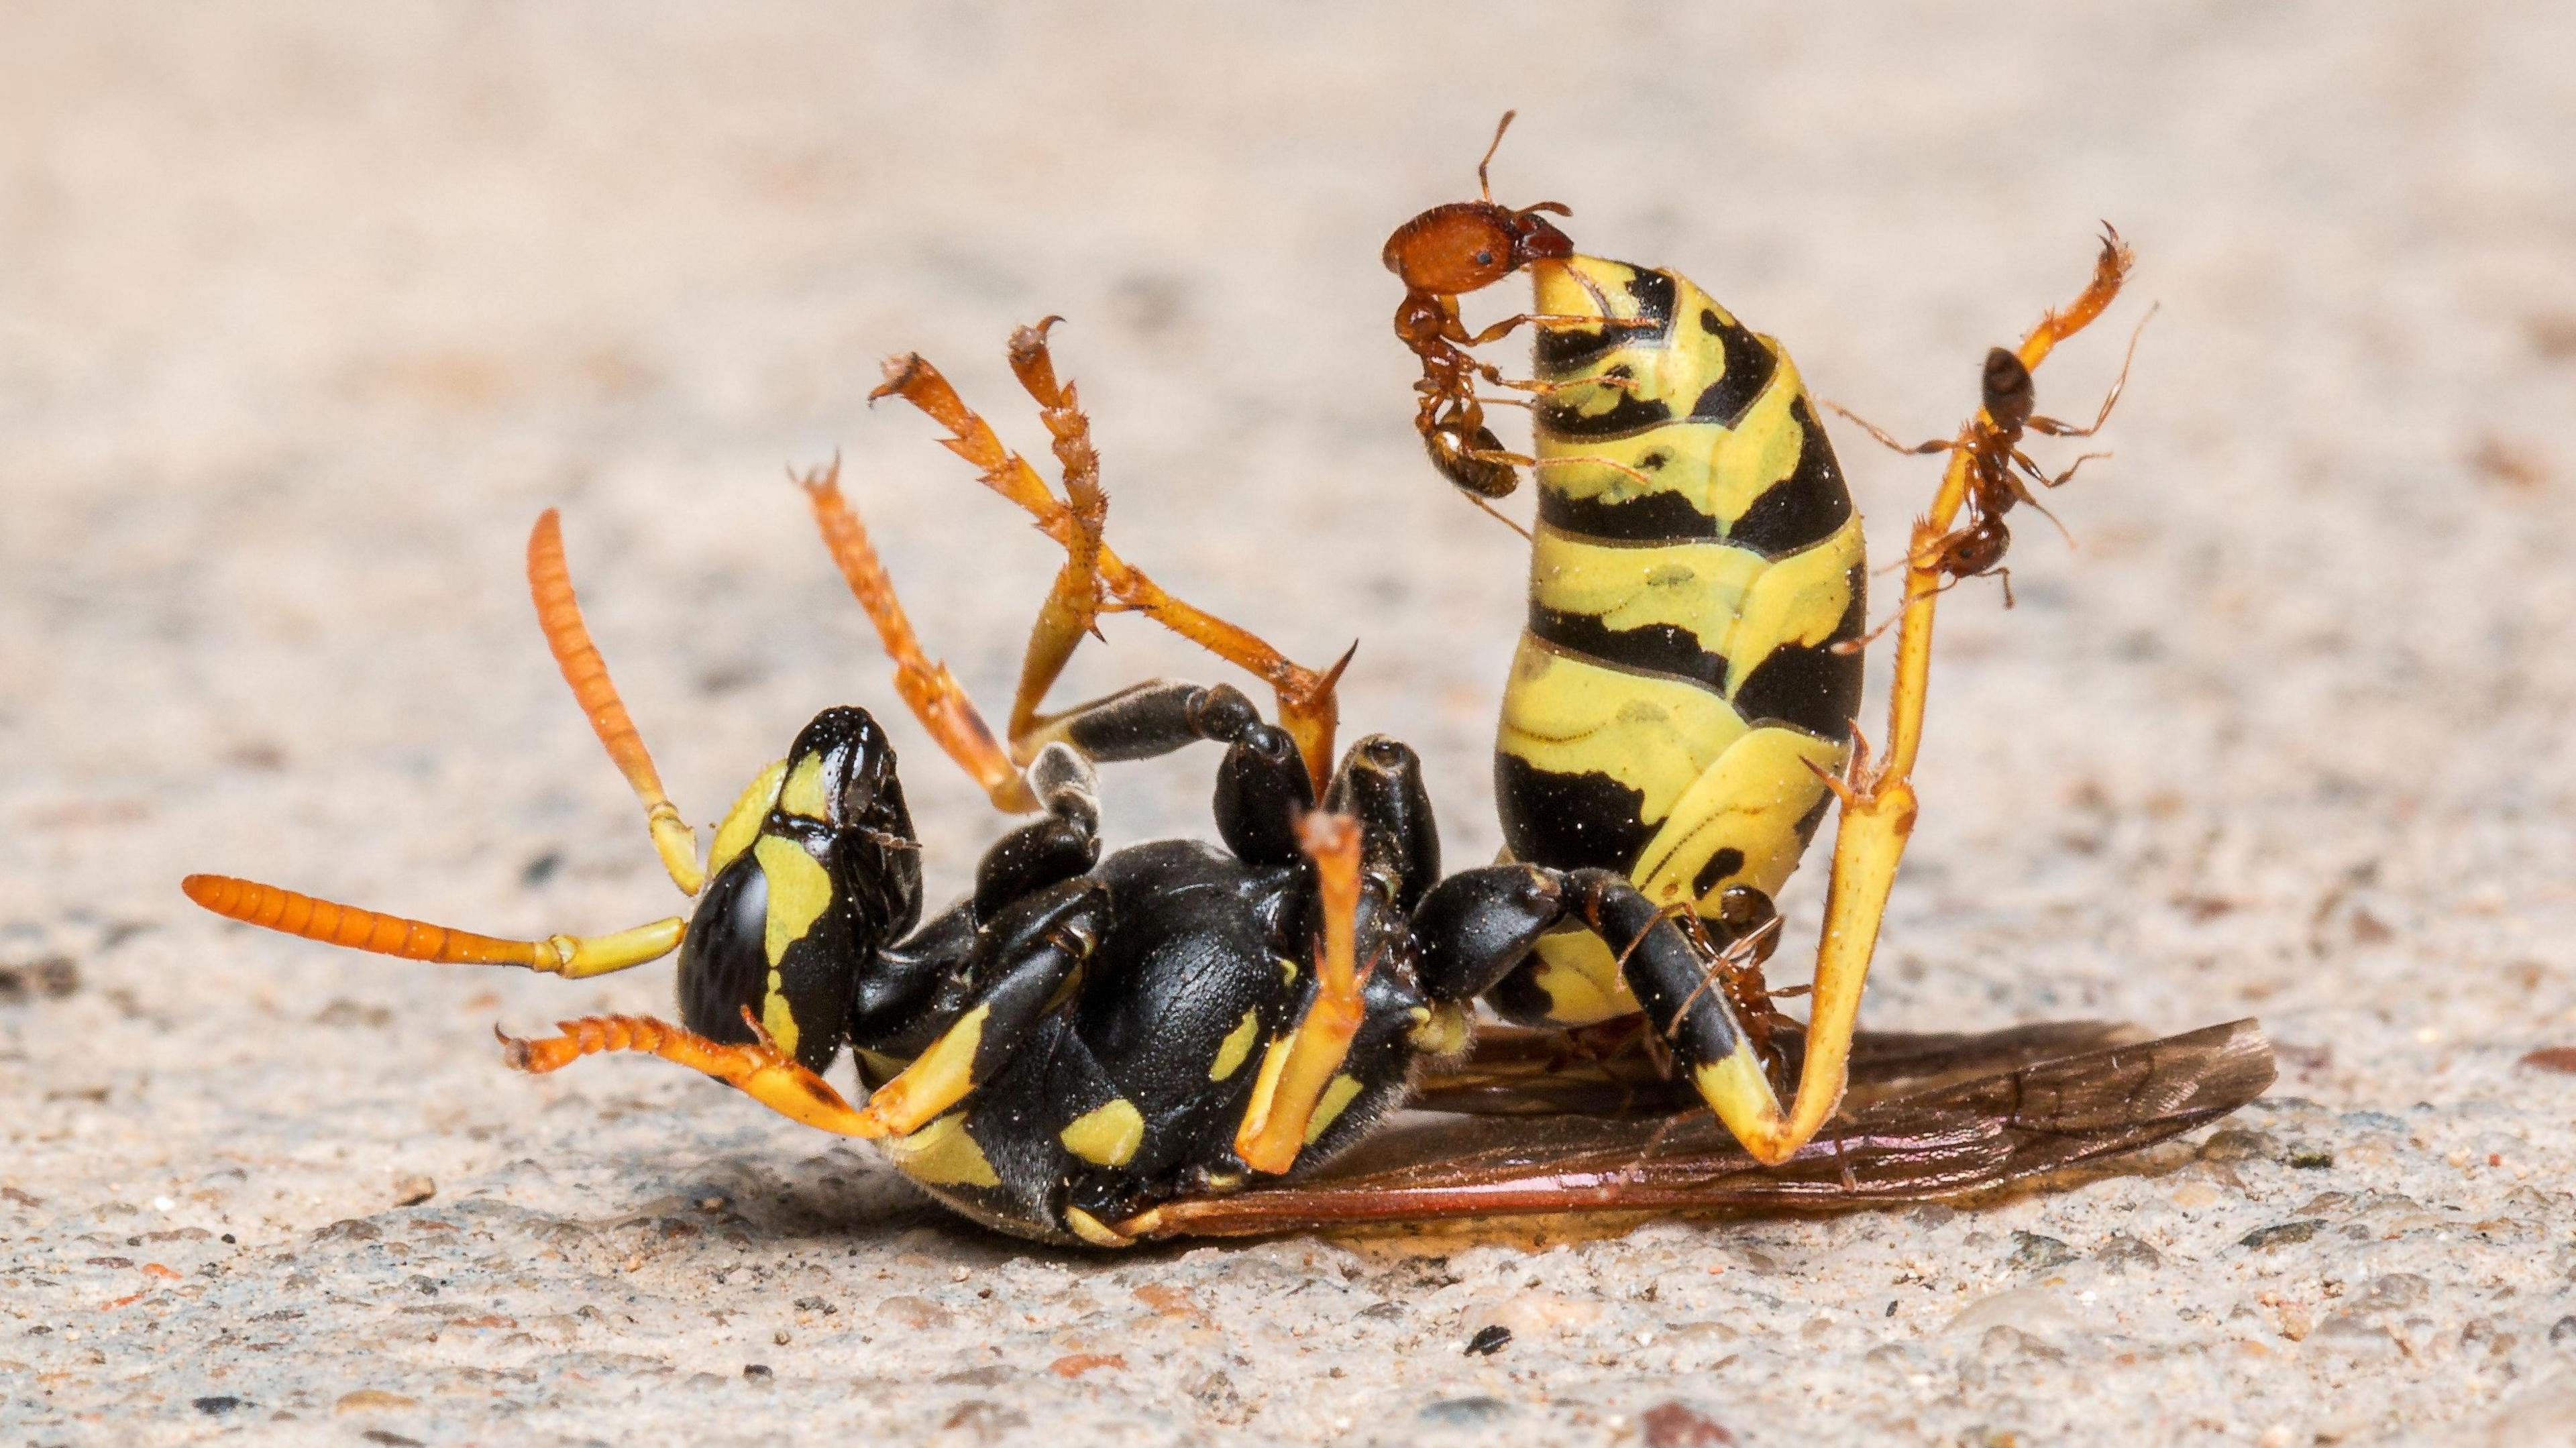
(1878, 803)
(1048, 851)
(1306, 699)
(758, 1069)
(570, 956)
(1299, 1066)
(1479, 924)
(559, 614)
(928, 688)
(1015, 974)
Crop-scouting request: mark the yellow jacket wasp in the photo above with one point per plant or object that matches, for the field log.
(1191, 1038)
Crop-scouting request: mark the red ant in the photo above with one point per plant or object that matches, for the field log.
(1449, 250)
(1999, 472)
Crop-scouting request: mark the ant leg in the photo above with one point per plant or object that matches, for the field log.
(2054, 428)
(573, 957)
(2031, 471)
(1300, 1065)
(1307, 707)
(1511, 324)
(1586, 462)
(1884, 439)
(568, 638)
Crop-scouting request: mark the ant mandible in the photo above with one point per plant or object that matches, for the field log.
(1449, 250)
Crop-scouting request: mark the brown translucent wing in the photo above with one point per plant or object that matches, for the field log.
(1915, 1145)
(1609, 1070)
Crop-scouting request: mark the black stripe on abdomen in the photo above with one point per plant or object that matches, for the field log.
(1661, 648)
(1646, 518)
(1811, 687)
(1749, 366)
(1802, 509)
(1568, 821)
(1557, 351)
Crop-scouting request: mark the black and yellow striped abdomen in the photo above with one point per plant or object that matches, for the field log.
(1696, 561)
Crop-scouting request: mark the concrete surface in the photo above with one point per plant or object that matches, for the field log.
(306, 310)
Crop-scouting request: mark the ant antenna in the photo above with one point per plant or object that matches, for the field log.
(1482, 185)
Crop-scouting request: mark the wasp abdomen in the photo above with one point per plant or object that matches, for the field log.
(1696, 564)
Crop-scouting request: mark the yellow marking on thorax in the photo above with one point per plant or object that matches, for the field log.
(1652, 734)
(1236, 1048)
(800, 890)
(1337, 1096)
(941, 1154)
(802, 794)
(1108, 1136)
(742, 822)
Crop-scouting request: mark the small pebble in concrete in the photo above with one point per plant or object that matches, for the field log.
(411, 1191)
(1488, 1341)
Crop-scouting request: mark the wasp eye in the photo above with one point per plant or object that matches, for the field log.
(1484, 258)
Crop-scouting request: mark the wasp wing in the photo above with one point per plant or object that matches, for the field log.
(1613, 1069)
(1914, 1146)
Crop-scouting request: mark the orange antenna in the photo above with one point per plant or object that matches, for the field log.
(1483, 186)
(559, 614)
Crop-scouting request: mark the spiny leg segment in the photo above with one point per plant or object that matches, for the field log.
(1094, 578)
(758, 1069)
(571, 956)
(1878, 803)
(934, 695)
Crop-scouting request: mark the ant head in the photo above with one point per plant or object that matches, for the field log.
(1467, 245)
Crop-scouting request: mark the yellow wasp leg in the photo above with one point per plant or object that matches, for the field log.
(759, 1069)
(938, 1079)
(1878, 805)
(559, 614)
(1300, 1068)
(286, 911)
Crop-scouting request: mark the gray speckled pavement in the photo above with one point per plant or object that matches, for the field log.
(306, 310)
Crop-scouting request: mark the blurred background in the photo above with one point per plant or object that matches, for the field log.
(306, 311)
